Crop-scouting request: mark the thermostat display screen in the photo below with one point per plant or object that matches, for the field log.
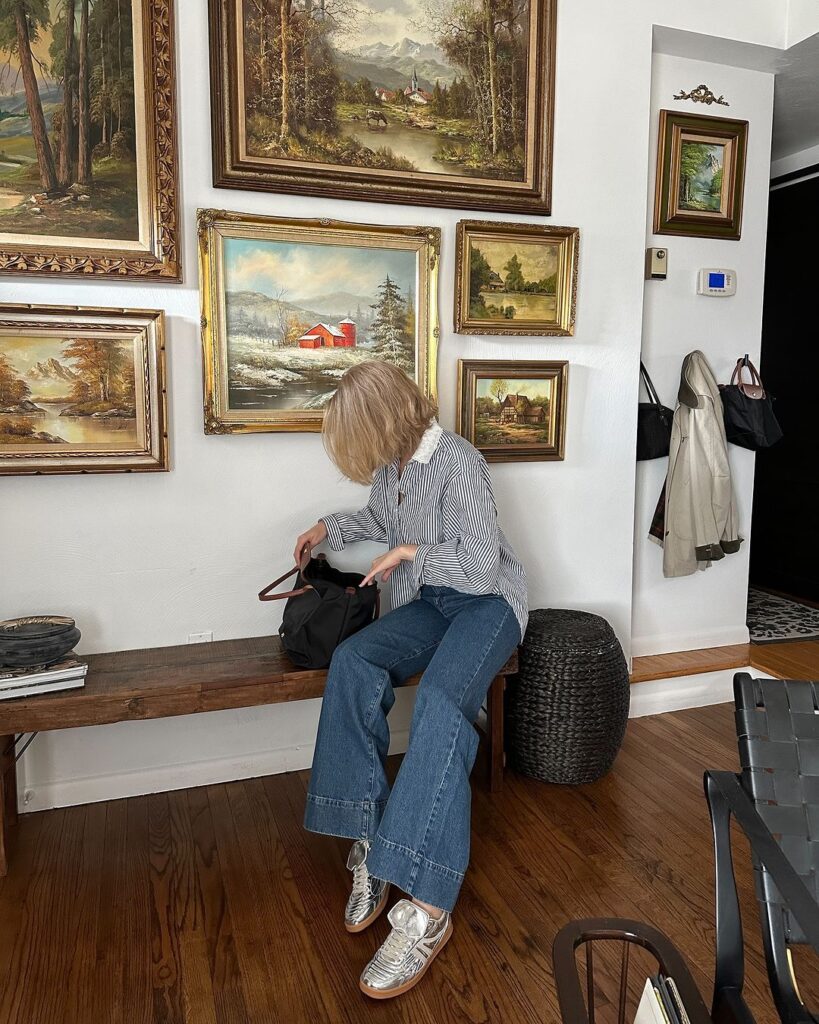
(716, 281)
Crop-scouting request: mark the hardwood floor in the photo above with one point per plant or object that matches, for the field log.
(796, 659)
(687, 663)
(214, 906)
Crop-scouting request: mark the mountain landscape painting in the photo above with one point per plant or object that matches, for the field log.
(61, 392)
(67, 119)
(298, 315)
(400, 94)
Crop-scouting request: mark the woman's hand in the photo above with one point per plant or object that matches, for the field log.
(308, 540)
(385, 565)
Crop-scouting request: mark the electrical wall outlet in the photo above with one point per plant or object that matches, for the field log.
(200, 638)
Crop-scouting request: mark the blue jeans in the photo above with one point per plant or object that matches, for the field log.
(419, 832)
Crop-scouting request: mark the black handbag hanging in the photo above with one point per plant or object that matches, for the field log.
(324, 608)
(750, 421)
(653, 423)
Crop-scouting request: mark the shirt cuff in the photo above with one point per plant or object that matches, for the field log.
(421, 553)
(334, 535)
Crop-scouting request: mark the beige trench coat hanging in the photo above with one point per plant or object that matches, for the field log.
(700, 511)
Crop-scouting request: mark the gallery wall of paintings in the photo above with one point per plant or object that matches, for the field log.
(208, 226)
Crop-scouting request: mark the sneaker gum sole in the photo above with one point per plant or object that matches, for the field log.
(353, 929)
(374, 993)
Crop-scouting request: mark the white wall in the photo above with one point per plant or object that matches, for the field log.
(708, 608)
(148, 559)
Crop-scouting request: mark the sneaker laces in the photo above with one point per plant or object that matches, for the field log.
(361, 883)
(394, 950)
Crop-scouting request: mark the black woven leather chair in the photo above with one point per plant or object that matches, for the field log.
(775, 800)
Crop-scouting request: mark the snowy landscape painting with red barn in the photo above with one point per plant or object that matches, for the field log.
(298, 314)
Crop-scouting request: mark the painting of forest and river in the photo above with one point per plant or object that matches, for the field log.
(513, 280)
(68, 123)
(423, 87)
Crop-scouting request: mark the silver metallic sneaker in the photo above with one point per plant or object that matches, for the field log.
(369, 895)
(414, 942)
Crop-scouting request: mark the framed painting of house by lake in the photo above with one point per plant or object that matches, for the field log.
(289, 305)
(88, 156)
(437, 102)
(82, 390)
(700, 175)
(515, 279)
(513, 411)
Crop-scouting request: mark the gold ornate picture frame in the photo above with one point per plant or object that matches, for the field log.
(700, 175)
(102, 199)
(515, 279)
(82, 390)
(288, 305)
(514, 411)
(450, 107)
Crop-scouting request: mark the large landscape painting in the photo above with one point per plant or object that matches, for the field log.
(83, 117)
(403, 95)
(287, 309)
(67, 120)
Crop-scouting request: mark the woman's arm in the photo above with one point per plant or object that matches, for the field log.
(470, 561)
(366, 524)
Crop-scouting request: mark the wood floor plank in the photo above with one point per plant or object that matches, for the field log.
(214, 918)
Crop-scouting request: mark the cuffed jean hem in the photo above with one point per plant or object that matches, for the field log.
(427, 881)
(349, 819)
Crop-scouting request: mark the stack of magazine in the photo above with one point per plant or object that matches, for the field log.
(661, 1003)
(67, 674)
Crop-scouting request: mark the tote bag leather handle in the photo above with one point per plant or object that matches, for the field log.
(755, 388)
(651, 391)
(266, 595)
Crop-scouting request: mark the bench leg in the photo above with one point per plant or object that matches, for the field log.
(8, 799)
(494, 728)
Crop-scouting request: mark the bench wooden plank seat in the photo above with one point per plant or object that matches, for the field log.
(161, 682)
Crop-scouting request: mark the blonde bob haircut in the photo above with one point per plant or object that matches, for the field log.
(377, 415)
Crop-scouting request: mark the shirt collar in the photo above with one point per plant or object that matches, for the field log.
(429, 442)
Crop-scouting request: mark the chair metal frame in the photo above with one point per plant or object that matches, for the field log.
(785, 900)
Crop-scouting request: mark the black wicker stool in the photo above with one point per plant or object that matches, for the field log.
(568, 707)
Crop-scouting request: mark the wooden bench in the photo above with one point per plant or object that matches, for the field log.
(161, 682)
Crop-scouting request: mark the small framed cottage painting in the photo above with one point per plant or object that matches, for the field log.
(515, 279)
(82, 390)
(439, 102)
(289, 305)
(513, 411)
(700, 175)
(88, 159)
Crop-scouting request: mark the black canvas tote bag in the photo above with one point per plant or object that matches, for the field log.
(653, 423)
(324, 608)
(750, 421)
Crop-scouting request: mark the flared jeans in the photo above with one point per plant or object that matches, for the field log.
(419, 830)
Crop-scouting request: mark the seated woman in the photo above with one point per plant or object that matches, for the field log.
(459, 611)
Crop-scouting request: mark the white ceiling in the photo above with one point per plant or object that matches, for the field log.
(796, 99)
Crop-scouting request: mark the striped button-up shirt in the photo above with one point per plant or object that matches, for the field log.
(443, 503)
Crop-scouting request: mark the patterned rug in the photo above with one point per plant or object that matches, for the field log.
(772, 619)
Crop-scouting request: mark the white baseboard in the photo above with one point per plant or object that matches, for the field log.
(660, 696)
(166, 778)
(671, 643)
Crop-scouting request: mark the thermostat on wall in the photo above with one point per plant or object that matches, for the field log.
(716, 281)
